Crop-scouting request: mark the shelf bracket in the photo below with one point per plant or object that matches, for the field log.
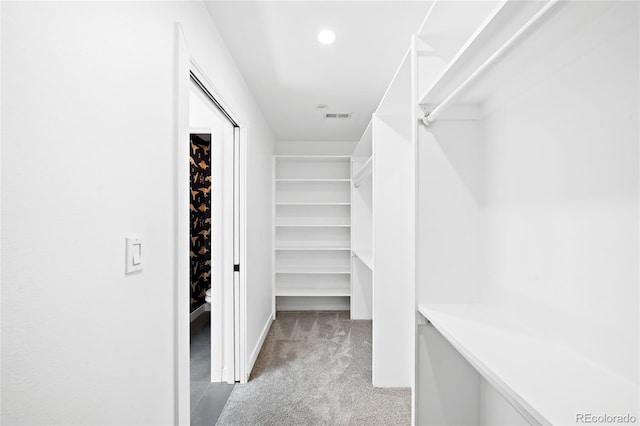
(425, 120)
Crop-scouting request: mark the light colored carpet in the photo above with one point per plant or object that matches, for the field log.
(315, 369)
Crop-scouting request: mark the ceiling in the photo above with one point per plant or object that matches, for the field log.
(275, 46)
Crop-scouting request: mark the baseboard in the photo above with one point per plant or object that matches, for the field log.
(258, 347)
(199, 311)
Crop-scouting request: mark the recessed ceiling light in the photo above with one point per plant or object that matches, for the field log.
(326, 37)
(322, 106)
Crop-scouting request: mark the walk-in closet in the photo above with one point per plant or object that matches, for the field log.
(494, 215)
(318, 212)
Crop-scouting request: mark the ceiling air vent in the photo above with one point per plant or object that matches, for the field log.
(342, 115)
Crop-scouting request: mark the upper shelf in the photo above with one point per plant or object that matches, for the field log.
(498, 27)
(547, 383)
(518, 45)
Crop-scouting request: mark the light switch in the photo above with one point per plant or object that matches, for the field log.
(133, 255)
(136, 254)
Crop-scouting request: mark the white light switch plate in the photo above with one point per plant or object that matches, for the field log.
(134, 254)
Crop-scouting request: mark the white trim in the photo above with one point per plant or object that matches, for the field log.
(182, 297)
(244, 371)
(258, 347)
(199, 311)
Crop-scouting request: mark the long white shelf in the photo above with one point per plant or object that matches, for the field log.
(312, 204)
(313, 248)
(547, 383)
(313, 157)
(492, 38)
(365, 256)
(313, 292)
(313, 226)
(312, 180)
(364, 171)
(314, 270)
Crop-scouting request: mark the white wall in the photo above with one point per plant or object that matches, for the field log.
(449, 223)
(88, 140)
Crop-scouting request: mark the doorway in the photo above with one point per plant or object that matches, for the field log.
(212, 240)
(228, 358)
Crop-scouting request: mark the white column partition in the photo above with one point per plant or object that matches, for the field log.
(389, 235)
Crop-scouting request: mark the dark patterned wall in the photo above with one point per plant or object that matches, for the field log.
(200, 218)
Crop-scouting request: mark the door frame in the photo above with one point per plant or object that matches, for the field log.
(185, 69)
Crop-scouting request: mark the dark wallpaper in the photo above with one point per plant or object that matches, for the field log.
(200, 218)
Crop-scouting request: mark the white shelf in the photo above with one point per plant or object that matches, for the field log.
(312, 292)
(313, 226)
(547, 383)
(313, 157)
(313, 180)
(363, 172)
(313, 248)
(366, 256)
(312, 204)
(491, 34)
(313, 270)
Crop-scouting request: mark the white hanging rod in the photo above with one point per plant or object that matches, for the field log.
(433, 115)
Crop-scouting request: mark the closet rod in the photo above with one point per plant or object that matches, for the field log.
(429, 118)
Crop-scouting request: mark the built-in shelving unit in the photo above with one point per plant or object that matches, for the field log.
(312, 228)
(362, 227)
(515, 244)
